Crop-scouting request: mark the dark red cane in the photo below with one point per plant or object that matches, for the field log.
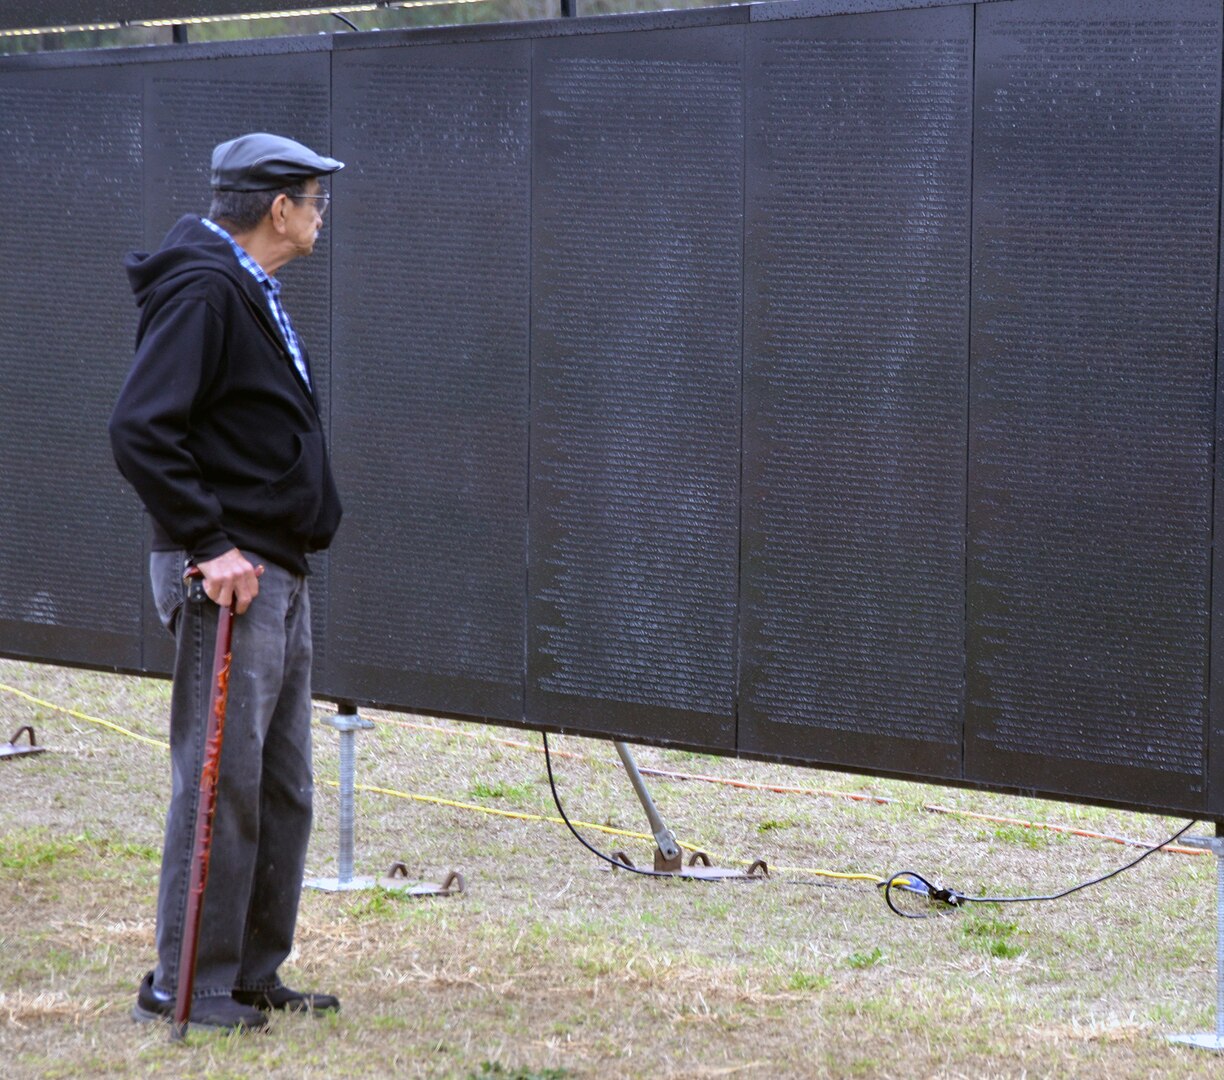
(201, 847)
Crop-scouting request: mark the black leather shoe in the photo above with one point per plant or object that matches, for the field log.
(289, 1000)
(222, 1013)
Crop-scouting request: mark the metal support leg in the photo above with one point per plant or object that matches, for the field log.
(1212, 1042)
(667, 856)
(347, 723)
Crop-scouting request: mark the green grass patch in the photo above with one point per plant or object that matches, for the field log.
(861, 960)
(498, 1071)
(995, 936)
(498, 790)
(378, 903)
(1021, 836)
(806, 981)
(30, 849)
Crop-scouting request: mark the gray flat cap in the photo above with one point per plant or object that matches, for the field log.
(260, 162)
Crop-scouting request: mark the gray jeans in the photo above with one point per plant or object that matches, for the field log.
(265, 785)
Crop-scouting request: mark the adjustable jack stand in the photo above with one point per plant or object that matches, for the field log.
(1213, 844)
(347, 723)
(667, 856)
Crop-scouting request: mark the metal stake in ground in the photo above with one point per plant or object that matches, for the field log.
(206, 806)
(1212, 1041)
(347, 722)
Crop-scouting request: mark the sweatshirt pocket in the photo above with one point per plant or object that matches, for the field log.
(330, 512)
(295, 497)
(169, 592)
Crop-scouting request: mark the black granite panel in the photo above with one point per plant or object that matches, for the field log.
(637, 225)
(1215, 745)
(1097, 159)
(773, 10)
(855, 389)
(70, 542)
(190, 107)
(432, 280)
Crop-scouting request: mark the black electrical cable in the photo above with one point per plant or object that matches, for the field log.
(350, 25)
(901, 880)
(578, 836)
(904, 880)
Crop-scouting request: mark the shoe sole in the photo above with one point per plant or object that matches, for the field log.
(297, 1008)
(146, 1016)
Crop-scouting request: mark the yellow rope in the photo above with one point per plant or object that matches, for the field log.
(837, 874)
(523, 816)
(437, 800)
(83, 716)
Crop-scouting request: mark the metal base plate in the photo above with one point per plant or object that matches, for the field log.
(12, 749)
(1203, 1042)
(698, 867)
(8, 750)
(336, 885)
(716, 873)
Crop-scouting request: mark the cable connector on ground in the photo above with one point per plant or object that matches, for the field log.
(909, 881)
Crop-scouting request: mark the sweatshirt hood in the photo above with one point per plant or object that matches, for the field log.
(188, 247)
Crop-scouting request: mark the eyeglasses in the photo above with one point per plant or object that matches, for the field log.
(323, 199)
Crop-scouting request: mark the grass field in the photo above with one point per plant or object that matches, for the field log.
(552, 967)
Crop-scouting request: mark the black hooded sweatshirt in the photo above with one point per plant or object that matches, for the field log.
(214, 428)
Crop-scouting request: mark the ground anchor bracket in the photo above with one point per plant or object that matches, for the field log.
(698, 867)
(11, 749)
(397, 878)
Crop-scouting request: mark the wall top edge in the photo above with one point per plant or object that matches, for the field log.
(774, 10)
(728, 15)
(56, 13)
(204, 50)
(15, 16)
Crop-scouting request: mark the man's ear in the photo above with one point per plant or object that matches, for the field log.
(278, 210)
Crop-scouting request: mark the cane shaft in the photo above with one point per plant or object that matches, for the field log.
(206, 805)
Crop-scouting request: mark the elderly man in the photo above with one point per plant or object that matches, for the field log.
(218, 430)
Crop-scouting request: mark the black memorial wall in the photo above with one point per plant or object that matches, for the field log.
(832, 382)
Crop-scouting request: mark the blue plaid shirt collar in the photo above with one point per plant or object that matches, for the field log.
(271, 289)
(243, 256)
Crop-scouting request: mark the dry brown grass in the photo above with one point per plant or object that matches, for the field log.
(552, 967)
